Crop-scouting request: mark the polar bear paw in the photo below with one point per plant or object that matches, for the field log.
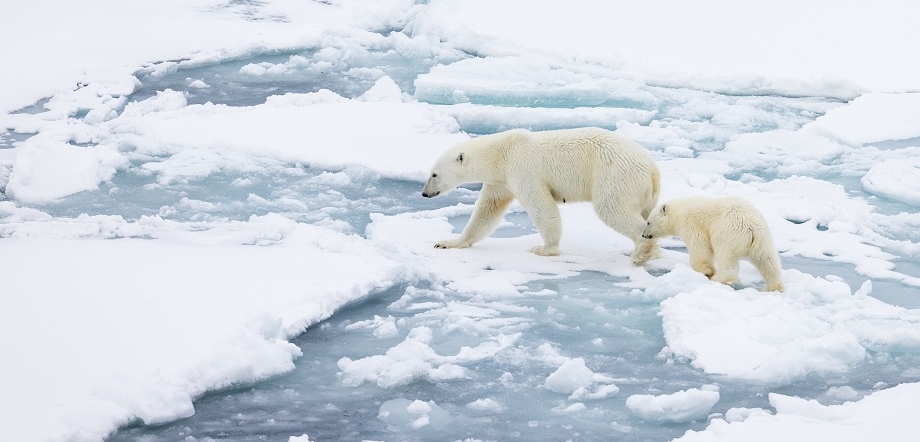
(545, 251)
(645, 252)
(450, 244)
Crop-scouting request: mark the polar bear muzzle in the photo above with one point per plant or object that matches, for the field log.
(431, 186)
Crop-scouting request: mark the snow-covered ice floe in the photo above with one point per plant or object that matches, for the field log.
(210, 214)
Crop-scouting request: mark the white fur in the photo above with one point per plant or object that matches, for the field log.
(719, 231)
(543, 169)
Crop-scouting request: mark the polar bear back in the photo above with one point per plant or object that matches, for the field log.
(575, 163)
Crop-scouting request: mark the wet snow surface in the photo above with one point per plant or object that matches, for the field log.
(204, 214)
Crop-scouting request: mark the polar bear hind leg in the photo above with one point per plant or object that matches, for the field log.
(727, 263)
(630, 225)
(769, 267)
(544, 213)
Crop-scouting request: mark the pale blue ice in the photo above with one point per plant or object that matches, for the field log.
(313, 400)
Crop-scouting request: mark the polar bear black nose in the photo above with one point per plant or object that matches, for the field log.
(647, 236)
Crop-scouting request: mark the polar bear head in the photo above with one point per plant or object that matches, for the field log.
(659, 223)
(449, 171)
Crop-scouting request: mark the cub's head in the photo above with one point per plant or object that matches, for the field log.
(658, 223)
(449, 171)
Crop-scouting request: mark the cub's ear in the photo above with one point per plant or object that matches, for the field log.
(460, 158)
(664, 209)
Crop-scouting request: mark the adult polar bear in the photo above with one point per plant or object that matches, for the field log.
(543, 169)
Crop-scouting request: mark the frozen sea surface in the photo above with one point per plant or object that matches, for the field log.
(501, 394)
(485, 344)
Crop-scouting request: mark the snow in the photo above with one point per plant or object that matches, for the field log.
(819, 328)
(872, 117)
(45, 171)
(187, 187)
(415, 414)
(764, 46)
(879, 415)
(570, 376)
(895, 179)
(229, 312)
(681, 406)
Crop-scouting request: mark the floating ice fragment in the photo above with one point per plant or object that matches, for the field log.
(600, 392)
(487, 404)
(845, 392)
(413, 415)
(740, 414)
(682, 406)
(895, 179)
(385, 89)
(569, 377)
(569, 409)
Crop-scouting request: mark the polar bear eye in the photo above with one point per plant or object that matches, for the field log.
(434, 175)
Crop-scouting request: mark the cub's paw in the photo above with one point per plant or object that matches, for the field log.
(706, 269)
(727, 280)
(545, 251)
(773, 287)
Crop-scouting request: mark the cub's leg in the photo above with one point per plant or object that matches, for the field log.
(768, 264)
(700, 255)
(491, 205)
(727, 263)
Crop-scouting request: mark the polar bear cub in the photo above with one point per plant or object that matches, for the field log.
(719, 231)
(544, 169)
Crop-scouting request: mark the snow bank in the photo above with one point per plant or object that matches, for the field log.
(322, 129)
(789, 152)
(815, 326)
(105, 332)
(686, 44)
(522, 81)
(44, 171)
(884, 415)
(109, 40)
(871, 118)
(895, 179)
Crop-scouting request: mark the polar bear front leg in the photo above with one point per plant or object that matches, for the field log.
(491, 205)
(700, 255)
(544, 213)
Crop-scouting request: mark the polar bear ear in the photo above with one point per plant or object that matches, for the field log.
(664, 209)
(460, 158)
